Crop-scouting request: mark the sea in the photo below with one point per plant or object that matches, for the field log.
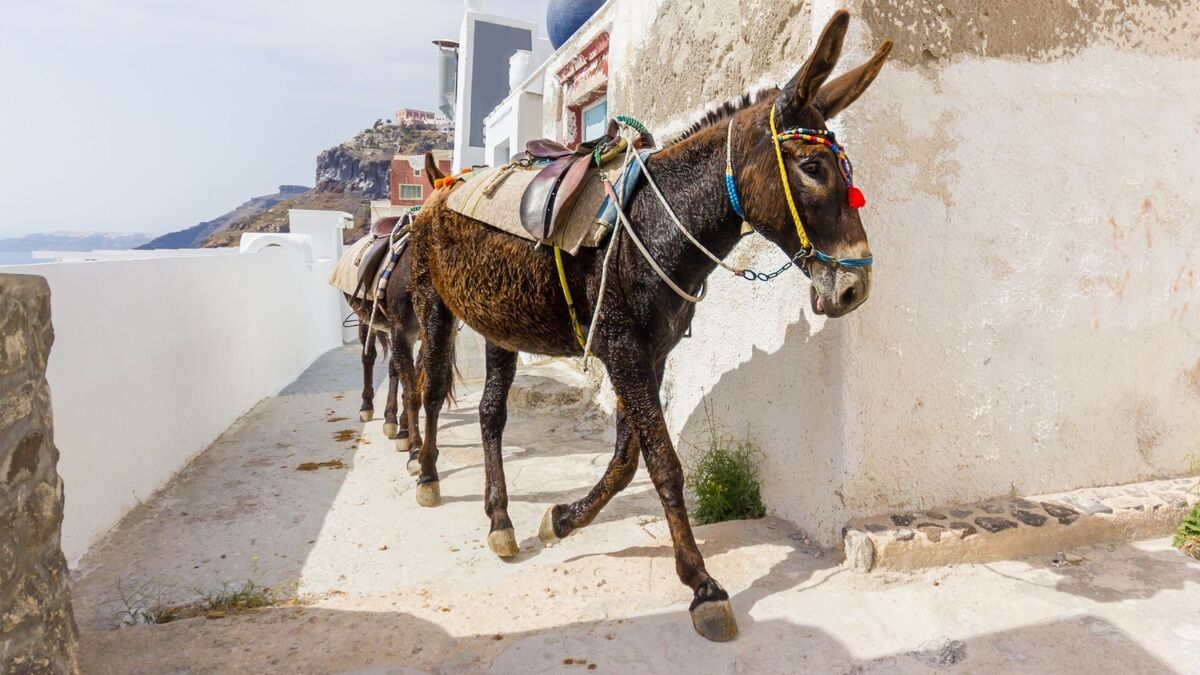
(15, 258)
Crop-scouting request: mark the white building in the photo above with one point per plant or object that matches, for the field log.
(518, 118)
(486, 43)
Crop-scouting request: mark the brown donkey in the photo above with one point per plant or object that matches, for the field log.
(397, 328)
(509, 291)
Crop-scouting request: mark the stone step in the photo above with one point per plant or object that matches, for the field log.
(1018, 527)
(552, 383)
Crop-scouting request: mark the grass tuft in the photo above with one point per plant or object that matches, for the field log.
(1187, 537)
(144, 605)
(724, 475)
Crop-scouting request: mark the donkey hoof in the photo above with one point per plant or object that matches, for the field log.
(503, 543)
(390, 429)
(414, 466)
(714, 620)
(546, 530)
(366, 415)
(429, 494)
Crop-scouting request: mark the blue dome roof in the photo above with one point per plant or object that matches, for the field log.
(564, 17)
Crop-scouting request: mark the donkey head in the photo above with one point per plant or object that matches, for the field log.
(818, 181)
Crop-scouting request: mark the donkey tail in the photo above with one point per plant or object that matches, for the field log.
(451, 399)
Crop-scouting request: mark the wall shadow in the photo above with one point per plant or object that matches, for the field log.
(241, 510)
(1128, 573)
(338, 371)
(796, 420)
(323, 640)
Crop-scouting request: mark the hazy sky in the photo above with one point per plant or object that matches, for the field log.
(153, 115)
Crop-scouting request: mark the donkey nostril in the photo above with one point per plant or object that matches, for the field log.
(848, 297)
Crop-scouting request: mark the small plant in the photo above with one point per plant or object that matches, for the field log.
(235, 600)
(144, 605)
(1187, 537)
(725, 475)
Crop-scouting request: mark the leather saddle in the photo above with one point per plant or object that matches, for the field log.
(369, 263)
(546, 203)
(384, 226)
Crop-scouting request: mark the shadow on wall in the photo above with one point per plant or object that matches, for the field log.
(789, 403)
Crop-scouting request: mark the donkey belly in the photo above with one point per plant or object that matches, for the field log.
(501, 286)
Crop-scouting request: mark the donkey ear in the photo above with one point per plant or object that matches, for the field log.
(802, 89)
(840, 93)
(432, 172)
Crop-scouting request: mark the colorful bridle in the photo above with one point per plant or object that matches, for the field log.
(854, 196)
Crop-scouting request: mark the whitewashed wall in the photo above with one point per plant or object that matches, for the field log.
(1033, 323)
(153, 359)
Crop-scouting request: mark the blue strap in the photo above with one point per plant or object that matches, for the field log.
(623, 186)
(843, 262)
(734, 200)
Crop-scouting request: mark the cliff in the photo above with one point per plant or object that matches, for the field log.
(73, 241)
(194, 236)
(348, 177)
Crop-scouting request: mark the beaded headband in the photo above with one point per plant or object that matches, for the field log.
(854, 196)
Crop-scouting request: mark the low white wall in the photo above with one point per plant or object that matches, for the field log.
(153, 359)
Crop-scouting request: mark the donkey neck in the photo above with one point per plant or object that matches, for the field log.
(691, 175)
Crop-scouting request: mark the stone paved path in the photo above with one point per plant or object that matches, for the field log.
(401, 589)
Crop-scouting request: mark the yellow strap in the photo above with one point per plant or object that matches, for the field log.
(787, 188)
(562, 279)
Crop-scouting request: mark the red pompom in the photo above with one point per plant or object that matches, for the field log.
(856, 198)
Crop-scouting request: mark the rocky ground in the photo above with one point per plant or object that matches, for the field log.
(390, 587)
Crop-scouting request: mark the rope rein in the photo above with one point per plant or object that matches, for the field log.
(807, 250)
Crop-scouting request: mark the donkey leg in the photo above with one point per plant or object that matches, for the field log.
(437, 331)
(409, 438)
(633, 380)
(563, 519)
(493, 414)
(390, 427)
(367, 412)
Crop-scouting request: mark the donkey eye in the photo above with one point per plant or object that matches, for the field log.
(811, 168)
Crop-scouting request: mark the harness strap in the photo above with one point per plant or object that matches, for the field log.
(562, 280)
(787, 186)
(624, 221)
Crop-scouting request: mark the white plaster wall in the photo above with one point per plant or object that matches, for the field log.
(153, 359)
(323, 227)
(1032, 325)
(516, 121)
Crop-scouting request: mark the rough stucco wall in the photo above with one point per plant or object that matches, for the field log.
(1032, 326)
(37, 626)
(1029, 326)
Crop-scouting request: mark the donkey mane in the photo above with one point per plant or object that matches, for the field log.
(721, 112)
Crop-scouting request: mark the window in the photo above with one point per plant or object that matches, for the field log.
(595, 120)
(411, 192)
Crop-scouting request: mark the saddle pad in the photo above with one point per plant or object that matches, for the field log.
(493, 196)
(345, 272)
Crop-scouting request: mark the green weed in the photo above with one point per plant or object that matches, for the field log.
(724, 476)
(144, 605)
(1187, 537)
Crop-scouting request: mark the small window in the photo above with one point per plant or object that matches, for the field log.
(595, 120)
(411, 192)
